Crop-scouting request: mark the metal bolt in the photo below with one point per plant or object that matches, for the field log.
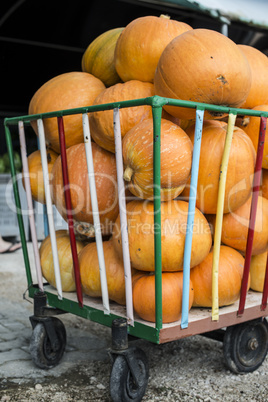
(253, 344)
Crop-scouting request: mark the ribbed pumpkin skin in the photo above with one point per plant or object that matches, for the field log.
(144, 296)
(141, 43)
(257, 271)
(239, 173)
(90, 275)
(65, 91)
(98, 58)
(140, 218)
(176, 159)
(36, 173)
(258, 62)
(101, 123)
(202, 65)
(231, 266)
(235, 227)
(264, 184)
(251, 126)
(106, 185)
(65, 260)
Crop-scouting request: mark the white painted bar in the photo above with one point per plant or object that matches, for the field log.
(27, 183)
(123, 216)
(95, 212)
(41, 135)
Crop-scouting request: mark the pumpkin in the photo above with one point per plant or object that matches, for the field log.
(141, 229)
(101, 123)
(190, 130)
(36, 173)
(251, 126)
(257, 271)
(230, 272)
(65, 91)
(264, 184)
(176, 159)
(144, 296)
(258, 62)
(106, 187)
(238, 181)
(90, 275)
(202, 65)
(235, 227)
(98, 58)
(141, 43)
(65, 260)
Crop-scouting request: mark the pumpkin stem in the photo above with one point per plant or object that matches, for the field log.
(128, 173)
(165, 16)
(245, 121)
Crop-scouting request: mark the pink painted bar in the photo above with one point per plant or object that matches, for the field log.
(68, 203)
(265, 289)
(253, 211)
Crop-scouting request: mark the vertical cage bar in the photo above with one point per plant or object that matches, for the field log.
(30, 205)
(95, 212)
(190, 217)
(67, 196)
(123, 216)
(252, 218)
(157, 113)
(18, 207)
(41, 135)
(219, 216)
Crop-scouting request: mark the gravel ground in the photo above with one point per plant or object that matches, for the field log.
(190, 369)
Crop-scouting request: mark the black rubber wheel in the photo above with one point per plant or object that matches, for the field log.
(40, 347)
(245, 346)
(122, 385)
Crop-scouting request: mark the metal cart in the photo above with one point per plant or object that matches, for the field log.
(241, 326)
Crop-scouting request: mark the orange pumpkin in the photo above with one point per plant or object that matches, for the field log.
(264, 184)
(98, 59)
(101, 123)
(36, 173)
(231, 267)
(257, 271)
(239, 179)
(106, 186)
(176, 159)
(251, 126)
(202, 65)
(141, 229)
(90, 275)
(65, 260)
(258, 62)
(235, 227)
(144, 296)
(190, 130)
(65, 91)
(141, 43)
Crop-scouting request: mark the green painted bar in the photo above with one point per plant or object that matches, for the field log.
(69, 306)
(18, 206)
(157, 113)
(153, 101)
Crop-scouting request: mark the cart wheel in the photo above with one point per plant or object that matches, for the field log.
(122, 385)
(245, 346)
(41, 349)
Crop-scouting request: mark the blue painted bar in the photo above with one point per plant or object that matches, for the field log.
(190, 218)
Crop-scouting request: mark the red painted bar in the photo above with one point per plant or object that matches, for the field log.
(253, 211)
(265, 289)
(68, 203)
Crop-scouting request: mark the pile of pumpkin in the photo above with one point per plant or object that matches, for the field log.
(158, 55)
